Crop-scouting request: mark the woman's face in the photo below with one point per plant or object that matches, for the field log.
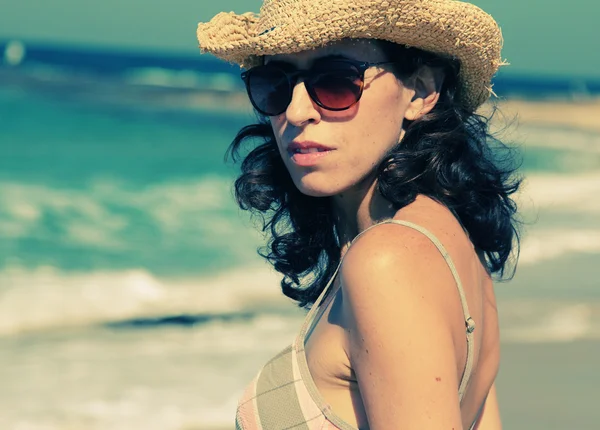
(355, 140)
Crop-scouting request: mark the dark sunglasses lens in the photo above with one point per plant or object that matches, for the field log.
(269, 89)
(338, 89)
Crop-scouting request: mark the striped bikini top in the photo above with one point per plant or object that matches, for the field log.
(284, 396)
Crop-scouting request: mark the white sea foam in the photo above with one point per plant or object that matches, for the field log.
(548, 203)
(190, 79)
(576, 193)
(100, 215)
(571, 139)
(169, 378)
(46, 297)
(532, 321)
(192, 212)
(552, 243)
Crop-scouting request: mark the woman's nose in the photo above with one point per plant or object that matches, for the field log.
(302, 109)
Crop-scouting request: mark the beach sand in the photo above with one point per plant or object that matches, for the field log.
(550, 386)
(550, 359)
(582, 114)
(545, 386)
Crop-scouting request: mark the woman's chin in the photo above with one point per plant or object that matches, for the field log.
(316, 188)
(314, 193)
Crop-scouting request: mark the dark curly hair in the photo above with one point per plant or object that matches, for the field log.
(448, 154)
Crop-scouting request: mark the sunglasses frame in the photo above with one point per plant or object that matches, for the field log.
(292, 77)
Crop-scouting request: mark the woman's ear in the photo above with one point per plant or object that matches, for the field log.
(427, 84)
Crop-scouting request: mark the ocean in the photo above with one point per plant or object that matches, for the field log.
(131, 293)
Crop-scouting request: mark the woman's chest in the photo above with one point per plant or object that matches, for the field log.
(326, 345)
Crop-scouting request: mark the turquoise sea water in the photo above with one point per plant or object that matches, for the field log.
(115, 217)
(91, 188)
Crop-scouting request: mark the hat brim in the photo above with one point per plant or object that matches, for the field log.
(448, 27)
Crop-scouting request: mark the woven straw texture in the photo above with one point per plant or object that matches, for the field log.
(447, 27)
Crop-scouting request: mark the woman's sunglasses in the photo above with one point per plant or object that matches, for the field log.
(334, 85)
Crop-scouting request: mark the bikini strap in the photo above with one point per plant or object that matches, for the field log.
(311, 316)
(469, 323)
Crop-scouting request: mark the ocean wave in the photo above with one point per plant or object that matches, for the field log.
(559, 137)
(196, 216)
(191, 79)
(540, 321)
(575, 193)
(47, 298)
(105, 213)
(548, 244)
(170, 205)
(188, 378)
(175, 227)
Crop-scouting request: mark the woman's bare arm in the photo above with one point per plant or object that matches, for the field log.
(398, 308)
(490, 415)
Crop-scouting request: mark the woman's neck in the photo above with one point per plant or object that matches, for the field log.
(357, 209)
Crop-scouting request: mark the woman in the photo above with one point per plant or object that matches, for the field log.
(388, 211)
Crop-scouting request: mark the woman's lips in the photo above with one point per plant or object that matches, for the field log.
(308, 153)
(309, 158)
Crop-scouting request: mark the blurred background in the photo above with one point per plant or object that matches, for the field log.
(131, 295)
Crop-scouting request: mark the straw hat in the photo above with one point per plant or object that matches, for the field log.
(447, 27)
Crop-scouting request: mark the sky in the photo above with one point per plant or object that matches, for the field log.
(541, 37)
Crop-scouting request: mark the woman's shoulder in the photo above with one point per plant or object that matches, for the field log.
(401, 262)
(391, 254)
(403, 316)
(423, 234)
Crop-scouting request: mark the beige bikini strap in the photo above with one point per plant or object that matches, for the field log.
(315, 306)
(469, 323)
